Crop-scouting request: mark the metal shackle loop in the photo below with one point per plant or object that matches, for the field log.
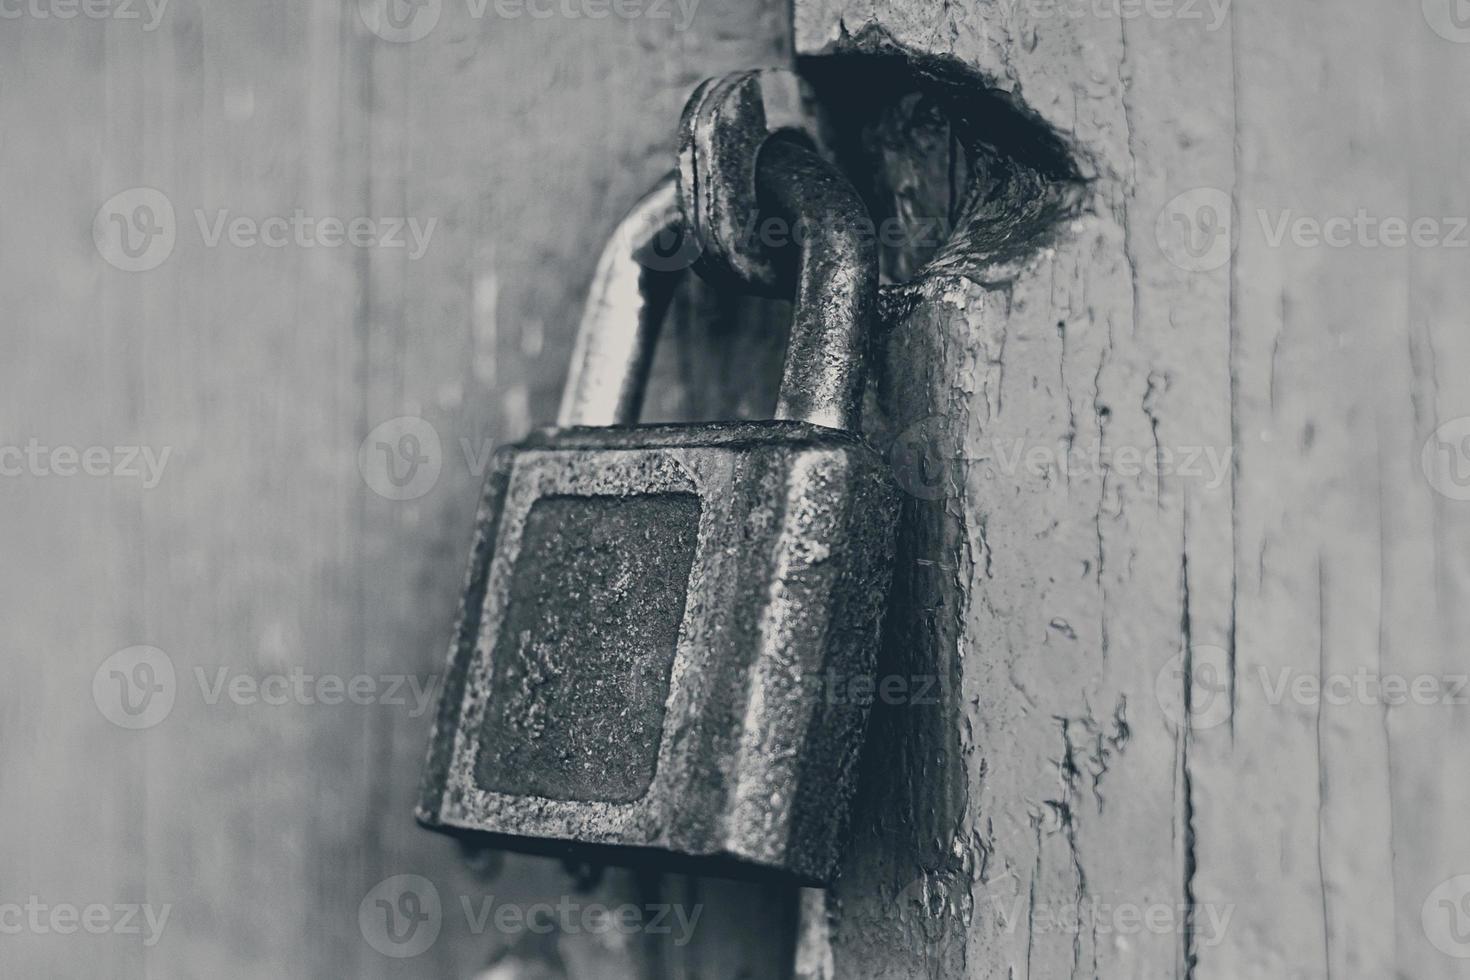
(836, 284)
(730, 175)
(721, 130)
(630, 293)
(745, 156)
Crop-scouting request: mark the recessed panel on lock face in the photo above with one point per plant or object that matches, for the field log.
(586, 645)
(569, 686)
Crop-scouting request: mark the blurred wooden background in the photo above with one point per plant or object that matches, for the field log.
(262, 549)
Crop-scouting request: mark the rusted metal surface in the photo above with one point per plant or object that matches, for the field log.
(630, 294)
(724, 125)
(837, 284)
(757, 742)
(663, 625)
(749, 183)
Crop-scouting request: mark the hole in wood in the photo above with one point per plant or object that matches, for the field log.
(958, 176)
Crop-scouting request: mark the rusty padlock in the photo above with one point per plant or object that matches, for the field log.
(654, 613)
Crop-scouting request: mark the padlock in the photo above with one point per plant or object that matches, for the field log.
(663, 625)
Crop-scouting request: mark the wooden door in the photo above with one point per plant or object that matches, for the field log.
(239, 523)
(1171, 369)
(1201, 718)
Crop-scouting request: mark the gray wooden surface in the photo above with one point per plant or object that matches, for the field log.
(1268, 832)
(263, 549)
(1061, 776)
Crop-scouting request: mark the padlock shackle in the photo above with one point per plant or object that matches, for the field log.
(836, 283)
(836, 286)
(625, 305)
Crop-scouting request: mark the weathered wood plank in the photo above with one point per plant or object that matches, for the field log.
(263, 550)
(1304, 837)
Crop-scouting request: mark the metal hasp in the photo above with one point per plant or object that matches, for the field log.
(663, 624)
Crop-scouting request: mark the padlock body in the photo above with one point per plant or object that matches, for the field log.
(660, 634)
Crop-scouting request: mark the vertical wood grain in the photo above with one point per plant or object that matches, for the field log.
(1275, 835)
(263, 550)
